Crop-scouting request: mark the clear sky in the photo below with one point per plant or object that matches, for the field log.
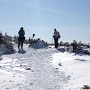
(70, 17)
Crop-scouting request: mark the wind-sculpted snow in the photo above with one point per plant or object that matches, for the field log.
(31, 70)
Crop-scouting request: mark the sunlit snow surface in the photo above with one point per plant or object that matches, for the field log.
(44, 69)
(78, 67)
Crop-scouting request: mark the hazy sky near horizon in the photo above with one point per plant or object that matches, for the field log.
(70, 17)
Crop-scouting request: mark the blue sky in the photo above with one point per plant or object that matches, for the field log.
(70, 17)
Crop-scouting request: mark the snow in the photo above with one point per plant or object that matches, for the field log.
(2, 49)
(44, 69)
(39, 44)
(76, 66)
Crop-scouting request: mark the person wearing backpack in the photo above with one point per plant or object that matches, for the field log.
(56, 37)
(21, 38)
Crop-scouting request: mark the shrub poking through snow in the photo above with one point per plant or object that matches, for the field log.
(6, 46)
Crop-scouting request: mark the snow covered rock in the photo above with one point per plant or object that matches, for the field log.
(39, 44)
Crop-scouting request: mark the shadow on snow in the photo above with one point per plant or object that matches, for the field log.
(21, 51)
(61, 50)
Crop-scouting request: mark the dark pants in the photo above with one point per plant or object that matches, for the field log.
(20, 42)
(56, 42)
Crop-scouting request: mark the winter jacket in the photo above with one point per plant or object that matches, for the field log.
(21, 33)
(56, 34)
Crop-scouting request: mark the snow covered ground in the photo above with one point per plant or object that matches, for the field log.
(76, 66)
(44, 69)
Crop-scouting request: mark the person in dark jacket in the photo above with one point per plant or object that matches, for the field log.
(56, 36)
(21, 37)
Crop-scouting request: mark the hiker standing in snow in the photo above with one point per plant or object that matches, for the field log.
(56, 36)
(21, 38)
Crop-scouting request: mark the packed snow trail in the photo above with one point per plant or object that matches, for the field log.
(32, 70)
